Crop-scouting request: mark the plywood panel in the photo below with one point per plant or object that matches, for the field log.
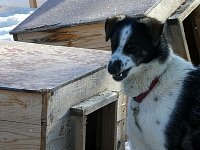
(58, 116)
(20, 120)
(84, 36)
(34, 67)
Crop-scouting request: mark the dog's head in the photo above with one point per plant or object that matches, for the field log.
(134, 41)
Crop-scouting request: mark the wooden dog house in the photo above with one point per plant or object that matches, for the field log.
(58, 98)
(80, 23)
(59, 23)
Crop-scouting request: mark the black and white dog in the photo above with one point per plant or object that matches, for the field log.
(163, 89)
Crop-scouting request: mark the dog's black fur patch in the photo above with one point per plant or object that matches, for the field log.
(183, 130)
(140, 45)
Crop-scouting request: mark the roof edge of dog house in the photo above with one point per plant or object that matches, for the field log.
(59, 14)
(31, 68)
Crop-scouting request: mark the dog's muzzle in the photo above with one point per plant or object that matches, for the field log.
(115, 69)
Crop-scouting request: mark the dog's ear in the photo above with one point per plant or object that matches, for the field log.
(110, 25)
(153, 27)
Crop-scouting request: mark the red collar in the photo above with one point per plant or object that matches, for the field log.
(141, 96)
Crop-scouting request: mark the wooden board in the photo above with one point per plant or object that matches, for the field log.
(20, 120)
(67, 13)
(63, 13)
(94, 103)
(191, 25)
(84, 36)
(35, 67)
(164, 9)
(184, 11)
(90, 32)
(178, 40)
(44, 108)
(58, 116)
(33, 3)
(184, 22)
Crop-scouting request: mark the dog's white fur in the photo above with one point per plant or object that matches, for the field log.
(166, 92)
(157, 106)
(119, 55)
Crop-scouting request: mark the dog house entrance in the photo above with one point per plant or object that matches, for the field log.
(94, 123)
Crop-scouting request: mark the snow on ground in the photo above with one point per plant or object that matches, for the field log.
(10, 18)
(127, 146)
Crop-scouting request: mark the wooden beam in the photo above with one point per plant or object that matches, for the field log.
(107, 103)
(196, 27)
(92, 104)
(163, 9)
(184, 11)
(33, 3)
(109, 127)
(78, 132)
(179, 43)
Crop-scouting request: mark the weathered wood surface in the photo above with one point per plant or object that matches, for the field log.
(184, 25)
(109, 127)
(20, 120)
(164, 8)
(106, 126)
(94, 103)
(46, 113)
(37, 67)
(78, 132)
(191, 26)
(184, 11)
(105, 101)
(59, 14)
(58, 116)
(196, 27)
(33, 3)
(178, 40)
(84, 36)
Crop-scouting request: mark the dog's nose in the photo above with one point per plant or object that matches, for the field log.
(114, 67)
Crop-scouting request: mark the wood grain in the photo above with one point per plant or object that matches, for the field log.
(94, 103)
(184, 11)
(83, 36)
(58, 116)
(20, 120)
(35, 67)
(163, 9)
(179, 43)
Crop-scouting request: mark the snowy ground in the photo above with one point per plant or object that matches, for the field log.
(9, 18)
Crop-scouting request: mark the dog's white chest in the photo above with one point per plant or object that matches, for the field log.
(152, 118)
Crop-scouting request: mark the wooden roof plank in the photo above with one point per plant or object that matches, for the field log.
(183, 11)
(36, 67)
(66, 13)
